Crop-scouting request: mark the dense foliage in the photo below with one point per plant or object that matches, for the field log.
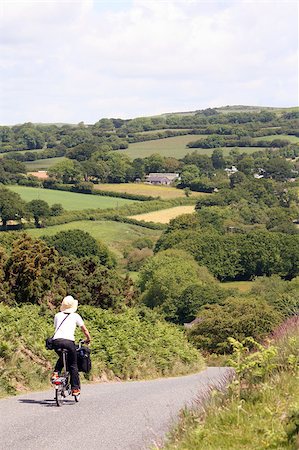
(130, 344)
(234, 317)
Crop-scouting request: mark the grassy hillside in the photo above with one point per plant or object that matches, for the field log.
(173, 146)
(43, 164)
(116, 235)
(130, 345)
(292, 139)
(69, 200)
(261, 408)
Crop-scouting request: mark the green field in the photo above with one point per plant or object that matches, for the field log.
(292, 139)
(175, 147)
(23, 151)
(69, 200)
(42, 164)
(115, 235)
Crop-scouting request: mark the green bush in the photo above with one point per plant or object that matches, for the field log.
(238, 318)
(132, 344)
(80, 243)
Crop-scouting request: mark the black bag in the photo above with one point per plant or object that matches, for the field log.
(83, 359)
(50, 341)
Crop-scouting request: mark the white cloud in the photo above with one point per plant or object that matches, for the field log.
(73, 61)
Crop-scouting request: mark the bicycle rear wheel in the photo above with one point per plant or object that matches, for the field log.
(59, 395)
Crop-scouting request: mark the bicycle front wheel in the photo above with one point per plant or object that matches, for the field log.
(59, 395)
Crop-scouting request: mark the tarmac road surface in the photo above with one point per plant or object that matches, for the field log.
(110, 416)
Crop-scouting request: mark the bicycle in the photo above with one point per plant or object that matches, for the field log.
(62, 383)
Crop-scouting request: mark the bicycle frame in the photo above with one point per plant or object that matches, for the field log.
(62, 384)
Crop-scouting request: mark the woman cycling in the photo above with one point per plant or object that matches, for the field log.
(65, 323)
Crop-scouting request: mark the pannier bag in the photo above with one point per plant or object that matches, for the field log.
(83, 359)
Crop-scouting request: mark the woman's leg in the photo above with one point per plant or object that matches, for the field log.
(73, 368)
(71, 360)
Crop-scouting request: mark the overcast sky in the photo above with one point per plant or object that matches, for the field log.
(72, 61)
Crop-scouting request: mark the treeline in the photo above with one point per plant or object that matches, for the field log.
(117, 133)
(217, 141)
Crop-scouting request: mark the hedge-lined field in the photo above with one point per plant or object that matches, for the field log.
(292, 139)
(164, 192)
(70, 201)
(116, 235)
(173, 146)
(43, 164)
(165, 215)
(133, 344)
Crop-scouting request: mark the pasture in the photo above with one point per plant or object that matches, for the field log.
(42, 164)
(70, 201)
(165, 215)
(175, 147)
(164, 192)
(116, 235)
(292, 139)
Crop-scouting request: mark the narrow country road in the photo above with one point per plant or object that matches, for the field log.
(110, 416)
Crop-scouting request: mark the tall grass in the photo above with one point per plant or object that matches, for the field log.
(261, 410)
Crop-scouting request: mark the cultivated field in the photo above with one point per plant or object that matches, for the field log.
(165, 192)
(69, 200)
(115, 235)
(164, 215)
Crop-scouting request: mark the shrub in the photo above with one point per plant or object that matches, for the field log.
(137, 257)
(165, 276)
(197, 295)
(79, 243)
(236, 317)
(135, 343)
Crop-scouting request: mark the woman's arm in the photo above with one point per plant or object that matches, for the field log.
(86, 332)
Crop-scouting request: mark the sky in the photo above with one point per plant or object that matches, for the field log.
(73, 61)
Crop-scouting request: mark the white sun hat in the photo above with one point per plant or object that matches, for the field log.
(69, 304)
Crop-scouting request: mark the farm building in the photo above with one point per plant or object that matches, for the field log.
(161, 178)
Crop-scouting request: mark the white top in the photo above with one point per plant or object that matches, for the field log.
(67, 329)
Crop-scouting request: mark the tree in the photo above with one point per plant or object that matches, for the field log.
(278, 168)
(164, 277)
(56, 209)
(38, 209)
(80, 243)
(197, 295)
(31, 270)
(12, 207)
(236, 317)
(189, 173)
(66, 171)
(218, 159)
